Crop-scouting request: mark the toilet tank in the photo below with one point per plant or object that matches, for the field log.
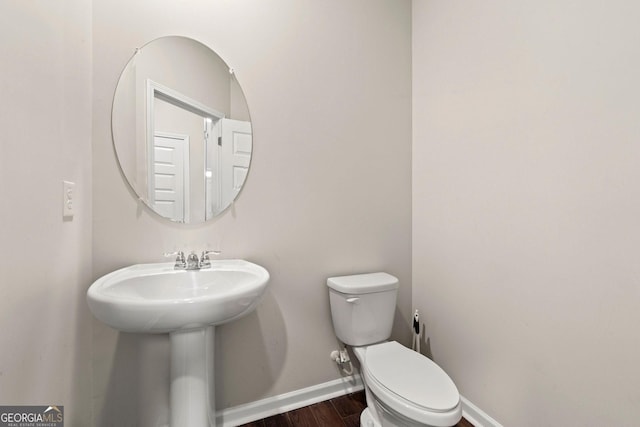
(363, 307)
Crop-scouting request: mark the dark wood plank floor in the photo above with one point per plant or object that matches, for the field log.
(342, 411)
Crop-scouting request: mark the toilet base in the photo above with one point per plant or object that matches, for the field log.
(366, 420)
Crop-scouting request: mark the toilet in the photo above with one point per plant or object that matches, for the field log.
(403, 388)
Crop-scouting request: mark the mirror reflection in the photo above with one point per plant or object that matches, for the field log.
(181, 129)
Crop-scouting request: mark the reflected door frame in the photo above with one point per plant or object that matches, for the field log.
(155, 90)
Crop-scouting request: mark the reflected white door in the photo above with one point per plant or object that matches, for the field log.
(169, 172)
(235, 156)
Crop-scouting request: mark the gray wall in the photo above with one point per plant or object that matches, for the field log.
(329, 192)
(526, 205)
(45, 262)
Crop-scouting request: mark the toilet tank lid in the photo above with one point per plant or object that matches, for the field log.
(363, 283)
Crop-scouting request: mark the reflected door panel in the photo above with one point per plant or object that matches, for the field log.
(235, 157)
(168, 169)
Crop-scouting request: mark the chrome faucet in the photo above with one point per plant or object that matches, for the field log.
(192, 262)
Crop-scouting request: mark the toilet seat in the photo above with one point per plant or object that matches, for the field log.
(411, 384)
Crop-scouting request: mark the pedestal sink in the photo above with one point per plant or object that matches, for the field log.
(187, 304)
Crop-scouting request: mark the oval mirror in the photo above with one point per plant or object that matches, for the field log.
(181, 129)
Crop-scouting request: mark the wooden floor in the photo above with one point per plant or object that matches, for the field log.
(342, 411)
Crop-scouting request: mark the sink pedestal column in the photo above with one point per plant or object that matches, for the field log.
(192, 387)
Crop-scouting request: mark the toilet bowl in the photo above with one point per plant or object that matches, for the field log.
(408, 388)
(403, 388)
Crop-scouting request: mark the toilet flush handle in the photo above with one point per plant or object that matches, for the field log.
(353, 300)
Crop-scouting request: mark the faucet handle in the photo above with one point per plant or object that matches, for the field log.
(179, 254)
(205, 261)
(213, 252)
(180, 261)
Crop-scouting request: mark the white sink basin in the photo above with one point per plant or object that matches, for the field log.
(155, 298)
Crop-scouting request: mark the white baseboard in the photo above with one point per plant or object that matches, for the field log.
(286, 402)
(477, 416)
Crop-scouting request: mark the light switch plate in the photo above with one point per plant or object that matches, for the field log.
(68, 199)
